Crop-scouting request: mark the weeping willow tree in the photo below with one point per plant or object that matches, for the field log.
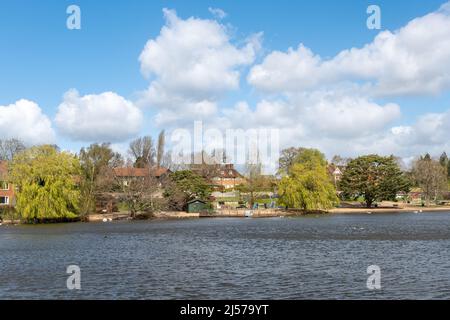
(308, 187)
(46, 181)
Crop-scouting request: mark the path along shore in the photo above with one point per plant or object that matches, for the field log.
(264, 213)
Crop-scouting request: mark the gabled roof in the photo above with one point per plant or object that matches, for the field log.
(335, 170)
(196, 200)
(228, 173)
(217, 170)
(127, 172)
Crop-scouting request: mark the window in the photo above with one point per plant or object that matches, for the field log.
(4, 185)
(4, 201)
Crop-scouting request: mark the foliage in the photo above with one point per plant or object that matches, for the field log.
(47, 185)
(255, 183)
(95, 162)
(308, 186)
(291, 156)
(431, 177)
(374, 178)
(184, 186)
(445, 163)
(311, 158)
(287, 158)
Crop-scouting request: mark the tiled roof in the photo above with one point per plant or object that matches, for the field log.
(140, 172)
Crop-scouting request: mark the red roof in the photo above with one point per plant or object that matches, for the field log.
(140, 172)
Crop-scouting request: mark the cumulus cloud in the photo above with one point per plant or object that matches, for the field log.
(412, 60)
(25, 121)
(331, 104)
(318, 115)
(191, 64)
(98, 117)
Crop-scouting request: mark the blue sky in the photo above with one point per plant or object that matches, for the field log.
(41, 59)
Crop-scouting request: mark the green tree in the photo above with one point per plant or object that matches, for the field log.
(46, 181)
(308, 186)
(311, 158)
(374, 178)
(291, 156)
(184, 186)
(443, 161)
(287, 158)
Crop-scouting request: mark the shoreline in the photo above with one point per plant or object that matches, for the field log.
(406, 209)
(263, 213)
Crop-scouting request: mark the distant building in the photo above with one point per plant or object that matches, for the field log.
(222, 177)
(6, 188)
(197, 206)
(336, 172)
(128, 174)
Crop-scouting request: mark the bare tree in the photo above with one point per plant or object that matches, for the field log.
(431, 177)
(9, 148)
(142, 150)
(141, 194)
(96, 161)
(287, 158)
(340, 161)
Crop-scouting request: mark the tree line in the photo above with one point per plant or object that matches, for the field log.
(54, 184)
(371, 177)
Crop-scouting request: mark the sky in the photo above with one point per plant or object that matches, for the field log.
(311, 69)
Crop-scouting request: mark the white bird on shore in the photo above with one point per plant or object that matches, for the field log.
(105, 220)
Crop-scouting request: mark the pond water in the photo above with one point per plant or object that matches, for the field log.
(314, 257)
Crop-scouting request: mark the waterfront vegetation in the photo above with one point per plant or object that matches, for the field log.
(55, 185)
(308, 185)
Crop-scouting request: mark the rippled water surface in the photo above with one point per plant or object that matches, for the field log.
(316, 257)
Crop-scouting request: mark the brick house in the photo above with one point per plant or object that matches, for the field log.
(127, 174)
(228, 177)
(6, 188)
(222, 177)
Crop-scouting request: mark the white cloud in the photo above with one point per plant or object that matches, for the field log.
(412, 60)
(191, 64)
(105, 117)
(217, 13)
(25, 121)
(328, 115)
(430, 130)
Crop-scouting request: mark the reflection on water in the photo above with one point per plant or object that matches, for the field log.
(317, 257)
